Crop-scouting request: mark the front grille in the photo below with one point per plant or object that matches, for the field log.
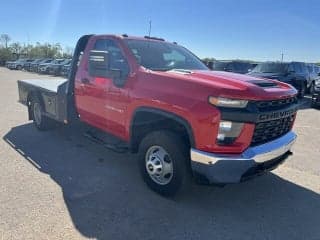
(275, 104)
(270, 130)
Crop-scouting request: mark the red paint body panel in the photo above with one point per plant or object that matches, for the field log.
(103, 105)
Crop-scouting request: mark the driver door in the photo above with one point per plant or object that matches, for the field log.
(99, 102)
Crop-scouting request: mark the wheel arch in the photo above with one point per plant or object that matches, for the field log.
(151, 117)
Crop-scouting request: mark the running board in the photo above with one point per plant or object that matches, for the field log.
(118, 146)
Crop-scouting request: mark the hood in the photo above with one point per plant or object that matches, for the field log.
(233, 85)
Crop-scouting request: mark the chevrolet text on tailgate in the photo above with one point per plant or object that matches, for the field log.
(183, 120)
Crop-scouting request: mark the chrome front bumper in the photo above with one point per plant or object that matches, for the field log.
(230, 168)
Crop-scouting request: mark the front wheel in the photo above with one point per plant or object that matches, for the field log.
(163, 160)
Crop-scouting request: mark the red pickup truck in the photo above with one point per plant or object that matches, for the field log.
(182, 119)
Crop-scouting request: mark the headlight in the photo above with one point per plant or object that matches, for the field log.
(228, 132)
(227, 102)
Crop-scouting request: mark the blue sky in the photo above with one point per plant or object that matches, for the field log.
(224, 29)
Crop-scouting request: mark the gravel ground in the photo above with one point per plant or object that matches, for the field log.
(59, 185)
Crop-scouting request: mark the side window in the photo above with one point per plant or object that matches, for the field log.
(230, 67)
(233, 67)
(297, 67)
(117, 60)
(304, 68)
(291, 68)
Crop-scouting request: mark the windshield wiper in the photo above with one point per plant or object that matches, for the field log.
(160, 69)
(180, 70)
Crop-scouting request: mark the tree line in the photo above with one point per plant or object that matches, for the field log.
(14, 50)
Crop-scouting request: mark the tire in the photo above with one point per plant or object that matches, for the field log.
(311, 89)
(19, 67)
(302, 90)
(152, 158)
(41, 122)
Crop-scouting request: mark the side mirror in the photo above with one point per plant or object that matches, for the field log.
(99, 66)
(98, 63)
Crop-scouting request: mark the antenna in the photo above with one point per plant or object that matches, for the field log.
(282, 57)
(150, 25)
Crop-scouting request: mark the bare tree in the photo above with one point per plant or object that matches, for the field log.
(16, 49)
(68, 52)
(5, 39)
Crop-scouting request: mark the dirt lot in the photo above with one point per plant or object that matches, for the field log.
(59, 185)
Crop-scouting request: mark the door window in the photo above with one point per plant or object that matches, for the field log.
(116, 58)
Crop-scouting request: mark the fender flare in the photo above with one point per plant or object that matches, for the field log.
(165, 114)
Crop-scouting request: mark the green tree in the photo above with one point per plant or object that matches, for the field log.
(37, 50)
(16, 49)
(5, 55)
(207, 59)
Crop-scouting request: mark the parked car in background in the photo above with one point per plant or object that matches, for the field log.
(35, 64)
(315, 99)
(36, 67)
(65, 69)
(242, 67)
(294, 73)
(27, 65)
(313, 71)
(44, 67)
(55, 68)
(8, 63)
(18, 65)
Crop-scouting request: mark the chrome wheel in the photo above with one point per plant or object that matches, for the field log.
(159, 165)
(37, 113)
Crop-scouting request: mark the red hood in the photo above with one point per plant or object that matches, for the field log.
(235, 85)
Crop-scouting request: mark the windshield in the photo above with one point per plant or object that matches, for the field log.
(271, 68)
(163, 56)
(220, 66)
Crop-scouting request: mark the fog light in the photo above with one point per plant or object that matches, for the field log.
(228, 132)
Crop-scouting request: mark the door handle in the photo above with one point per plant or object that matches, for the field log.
(85, 81)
